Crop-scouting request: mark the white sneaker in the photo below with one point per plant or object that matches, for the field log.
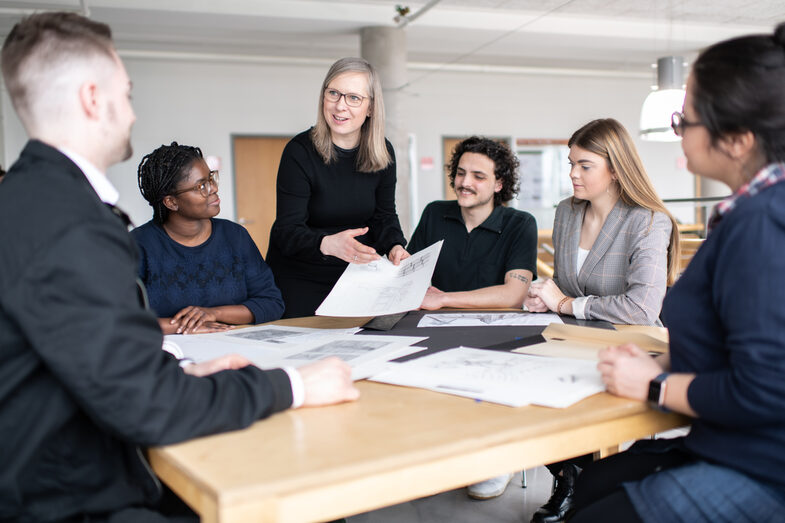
(490, 488)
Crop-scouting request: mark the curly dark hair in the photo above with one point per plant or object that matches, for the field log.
(505, 164)
(161, 171)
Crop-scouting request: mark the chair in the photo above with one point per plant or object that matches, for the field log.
(545, 253)
(689, 246)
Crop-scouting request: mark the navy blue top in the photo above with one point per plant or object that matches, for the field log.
(227, 269)
(726, 316)
(505, 241)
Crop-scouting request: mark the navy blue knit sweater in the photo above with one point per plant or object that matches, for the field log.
(726, 316)
(227, 269)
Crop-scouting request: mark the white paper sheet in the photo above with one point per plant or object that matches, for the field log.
(499, 377)
(378, 288)
(485, 319)
(274, 335)
(365, 354)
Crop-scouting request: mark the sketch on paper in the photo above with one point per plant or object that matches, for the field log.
(379, 288)
(366, 355)
(486, 319)
(501, 377)
(415, 265)
(268, 335)
(347, 350)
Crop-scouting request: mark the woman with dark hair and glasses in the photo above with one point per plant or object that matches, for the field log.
(336, 191)
(725, 314)
(202, 273)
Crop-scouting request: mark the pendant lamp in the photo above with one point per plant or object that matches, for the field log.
(663, 101)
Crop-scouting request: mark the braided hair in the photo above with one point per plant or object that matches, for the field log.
(161, 171)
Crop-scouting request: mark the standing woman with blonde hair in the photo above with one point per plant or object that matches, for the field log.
(615, 251)
(335, 191)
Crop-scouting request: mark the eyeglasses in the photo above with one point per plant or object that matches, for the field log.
(352, 99)
(203, 187)
(679, 123)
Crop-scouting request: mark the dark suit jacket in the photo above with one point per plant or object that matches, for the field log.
(626, 271)
(83, 379)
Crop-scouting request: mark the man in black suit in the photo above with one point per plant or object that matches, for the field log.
(83, 380)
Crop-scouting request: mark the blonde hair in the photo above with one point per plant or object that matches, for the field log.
(609, 139)
(373, 154)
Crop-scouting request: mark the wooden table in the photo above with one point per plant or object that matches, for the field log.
(394, 444)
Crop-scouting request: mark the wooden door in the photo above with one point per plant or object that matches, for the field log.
(448, 146)
(256, 160)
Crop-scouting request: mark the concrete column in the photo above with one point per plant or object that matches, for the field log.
(385, 49)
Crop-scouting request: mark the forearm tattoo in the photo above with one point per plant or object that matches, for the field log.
(517, 276)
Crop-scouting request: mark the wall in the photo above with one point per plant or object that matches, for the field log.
(204, 103)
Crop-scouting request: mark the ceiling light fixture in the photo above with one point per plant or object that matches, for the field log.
(666, 98)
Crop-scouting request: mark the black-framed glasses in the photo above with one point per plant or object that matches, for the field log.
(679, 123)
(203, 187)
(352, 99)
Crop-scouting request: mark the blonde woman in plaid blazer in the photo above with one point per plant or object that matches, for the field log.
(624, 276)
(615, 252)
(615, 242)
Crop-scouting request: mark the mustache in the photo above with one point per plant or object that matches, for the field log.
(462, 188)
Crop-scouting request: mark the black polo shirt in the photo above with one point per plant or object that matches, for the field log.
(506, 240)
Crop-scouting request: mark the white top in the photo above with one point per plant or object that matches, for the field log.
(579, 304)
(582, 255)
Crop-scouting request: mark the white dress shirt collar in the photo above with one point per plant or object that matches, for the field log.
(101, 184)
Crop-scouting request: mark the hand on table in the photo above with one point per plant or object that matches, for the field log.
(226, 362)
(535, 304)
(627, 370)
(397, 254)
(195, 320)
(544, 296)
(327, 381)
(434, 299)
(343, 245)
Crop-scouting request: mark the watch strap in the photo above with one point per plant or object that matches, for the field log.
(656, 395)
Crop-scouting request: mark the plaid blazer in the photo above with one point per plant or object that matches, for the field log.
(626, 272)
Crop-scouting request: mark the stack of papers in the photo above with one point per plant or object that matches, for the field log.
(500, 377)
(272, 346)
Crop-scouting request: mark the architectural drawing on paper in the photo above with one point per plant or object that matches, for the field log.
(347, 350)
(483, 319)
(491, 368)
(267, 335)
(387, 297)
(414, 265)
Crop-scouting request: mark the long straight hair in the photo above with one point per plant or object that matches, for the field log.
(372, 155)
(609, 139)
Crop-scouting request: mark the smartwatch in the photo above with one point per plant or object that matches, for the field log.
(657, 392)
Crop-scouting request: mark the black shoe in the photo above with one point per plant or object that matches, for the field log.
(561, 497)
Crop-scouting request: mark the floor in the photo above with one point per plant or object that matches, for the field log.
(516, 505)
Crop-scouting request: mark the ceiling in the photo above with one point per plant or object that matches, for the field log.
(611, 37)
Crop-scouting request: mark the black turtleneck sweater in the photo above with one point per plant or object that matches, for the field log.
(315, 200)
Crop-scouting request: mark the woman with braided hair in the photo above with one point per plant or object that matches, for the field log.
(202, 273)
